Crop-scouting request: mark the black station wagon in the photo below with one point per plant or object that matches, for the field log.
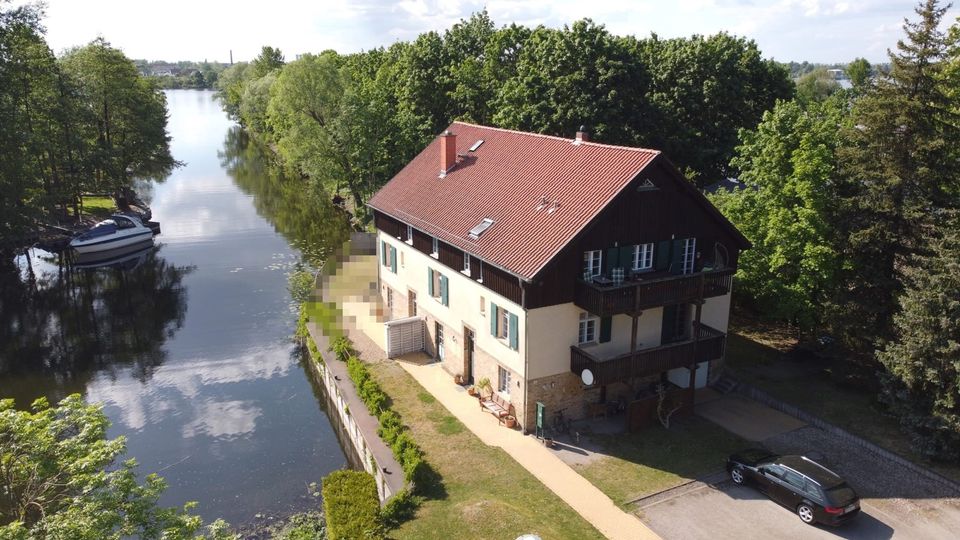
(811, 490)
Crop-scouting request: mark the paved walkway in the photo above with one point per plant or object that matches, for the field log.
(747, 418)
(361, 313)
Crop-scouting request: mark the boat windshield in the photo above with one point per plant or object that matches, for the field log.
(107, 226)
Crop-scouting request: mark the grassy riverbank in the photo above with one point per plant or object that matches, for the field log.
(481, 492)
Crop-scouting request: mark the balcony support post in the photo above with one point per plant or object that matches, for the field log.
(633, 332)
(696, 340)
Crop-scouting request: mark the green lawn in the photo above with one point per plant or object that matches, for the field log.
(649, 461)
(854, 410)
(480, 491)
(98, 207)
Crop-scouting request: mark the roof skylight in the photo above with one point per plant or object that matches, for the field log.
(476, 145)
(478, 230)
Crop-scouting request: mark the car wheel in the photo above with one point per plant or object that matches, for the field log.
(806, 513)
(736, 474)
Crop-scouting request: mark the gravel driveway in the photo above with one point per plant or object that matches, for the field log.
(895, 503)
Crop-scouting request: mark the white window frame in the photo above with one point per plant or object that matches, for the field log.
(483, 307)
(479, 271)
(503, 324)
(504, 379)
(435, 248)
(466, 263)
(643, 257)
(592, 262)
(689, 255)
(588, 324)
(409, 239)
(437, 294)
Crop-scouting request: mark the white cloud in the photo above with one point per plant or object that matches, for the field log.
(182, 29)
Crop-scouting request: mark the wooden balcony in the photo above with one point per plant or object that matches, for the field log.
(645, 362)
(634, 295)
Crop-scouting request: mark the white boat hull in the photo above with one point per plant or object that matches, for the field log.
(115, 241)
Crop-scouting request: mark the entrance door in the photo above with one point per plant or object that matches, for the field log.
(468, 348)
(411, 303)
(439, 328)
(676, 323)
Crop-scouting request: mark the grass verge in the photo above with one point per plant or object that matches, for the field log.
(655, 459)
(98, 207)
(479, 491)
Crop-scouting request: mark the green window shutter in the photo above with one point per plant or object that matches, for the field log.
(626, 258)
(383, 253)
(611, 260)
(393, 259)
(444, 290)
(430, 281)
(514, 332)
(606, 324)
(662, 255)
(493, 319)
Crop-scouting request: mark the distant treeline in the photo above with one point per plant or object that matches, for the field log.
(86, 122)
(182, 74)
(350, 122)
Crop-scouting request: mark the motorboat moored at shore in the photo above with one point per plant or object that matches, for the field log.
(118, 231)
(122, 258)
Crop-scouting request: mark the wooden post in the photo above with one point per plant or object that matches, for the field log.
(633, 335)
(696, 341)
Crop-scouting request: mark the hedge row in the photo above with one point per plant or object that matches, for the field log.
(351, 506)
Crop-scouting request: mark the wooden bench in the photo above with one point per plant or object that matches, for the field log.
(497, 406)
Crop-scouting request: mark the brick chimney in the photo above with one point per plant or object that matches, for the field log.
(448, 152)
(582, 135)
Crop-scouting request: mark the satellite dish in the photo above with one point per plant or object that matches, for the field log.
(587, 377)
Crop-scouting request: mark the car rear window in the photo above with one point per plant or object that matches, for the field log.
(840, 494)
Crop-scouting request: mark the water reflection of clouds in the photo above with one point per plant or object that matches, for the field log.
(223, 419)
(178, 389)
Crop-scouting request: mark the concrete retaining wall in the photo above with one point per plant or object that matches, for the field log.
(359, 426)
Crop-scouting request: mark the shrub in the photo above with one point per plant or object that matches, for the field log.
(399, 508)
(342, 347)
(351, 506)
(390, 426)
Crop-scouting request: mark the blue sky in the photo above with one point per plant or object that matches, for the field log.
(813, 30)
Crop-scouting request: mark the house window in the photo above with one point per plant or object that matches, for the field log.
(588, 328)
(643, 256)
(388, 256)
(401, 260)
(438, 286)
(505, 326)
(483, 307)
(503, 384)
(466, 263)
(591, 263)
(389, 298)
(480, 271)
(435, 248)
(410, 234)
(689, 251)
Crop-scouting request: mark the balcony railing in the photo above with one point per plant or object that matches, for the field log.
(645, 362)
(631, 296)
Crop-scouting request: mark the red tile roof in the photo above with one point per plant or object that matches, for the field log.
(505, 180)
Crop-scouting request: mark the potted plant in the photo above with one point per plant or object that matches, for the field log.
(484, 387)
(473, 391)
(510, 421)
(458, 379)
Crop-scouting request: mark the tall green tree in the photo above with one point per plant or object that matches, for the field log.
(706, 88)
(789, 166)
(128, 136)
(59, 479)
(899, 167)
(580, 75)
(859, 72)
(270, 59)
(922, 383)
(815, 86)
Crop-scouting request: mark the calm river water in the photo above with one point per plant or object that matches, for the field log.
(190, 350)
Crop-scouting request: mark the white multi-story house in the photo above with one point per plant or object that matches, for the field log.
(567, 272)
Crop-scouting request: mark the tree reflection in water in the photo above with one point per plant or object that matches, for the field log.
(300, 211)
(61, 326)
